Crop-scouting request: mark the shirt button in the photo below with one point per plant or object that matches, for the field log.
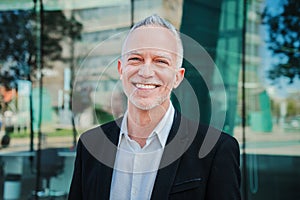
(134, 191)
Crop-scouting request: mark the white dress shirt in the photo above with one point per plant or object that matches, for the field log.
(135, 168)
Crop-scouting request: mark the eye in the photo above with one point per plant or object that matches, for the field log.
(134, 59)
(162, 61)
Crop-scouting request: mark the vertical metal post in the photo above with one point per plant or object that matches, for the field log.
(72, 69)
(40, 19)
(30, 96)
(31, 117)
(244, 156)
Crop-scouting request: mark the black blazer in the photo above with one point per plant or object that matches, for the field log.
(214, 177)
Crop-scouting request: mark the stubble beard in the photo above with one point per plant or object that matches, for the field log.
(139, 103)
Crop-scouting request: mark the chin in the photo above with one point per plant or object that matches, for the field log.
(148, 104)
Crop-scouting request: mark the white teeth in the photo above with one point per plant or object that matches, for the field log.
(142, 86)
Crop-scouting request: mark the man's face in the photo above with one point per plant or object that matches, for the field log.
(148, 67)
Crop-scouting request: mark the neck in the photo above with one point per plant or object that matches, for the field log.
(141, 123)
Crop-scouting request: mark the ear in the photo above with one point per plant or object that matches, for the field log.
(179, 77)
(120, 68)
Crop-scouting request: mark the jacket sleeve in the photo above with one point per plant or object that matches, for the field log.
(225, 176)
(75, 192)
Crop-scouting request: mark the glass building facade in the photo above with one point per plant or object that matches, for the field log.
(58, 77)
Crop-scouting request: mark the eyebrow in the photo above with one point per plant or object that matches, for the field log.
(162, 55)
(158, 54)
(132, 52)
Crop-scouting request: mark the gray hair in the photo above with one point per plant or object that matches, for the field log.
(155, 20)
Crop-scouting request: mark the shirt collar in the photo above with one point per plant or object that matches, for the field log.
(161, 130)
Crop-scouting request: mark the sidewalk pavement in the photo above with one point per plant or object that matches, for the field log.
(23, 144)
(277, 142)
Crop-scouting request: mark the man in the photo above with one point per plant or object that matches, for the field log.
(152, 152)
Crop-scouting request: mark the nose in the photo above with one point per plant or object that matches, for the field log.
(146, 71)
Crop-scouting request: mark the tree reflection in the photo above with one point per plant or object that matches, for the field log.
(21, 33)
(18, 44)
(283, 27)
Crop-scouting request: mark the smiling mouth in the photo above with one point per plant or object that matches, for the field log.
(146, 86)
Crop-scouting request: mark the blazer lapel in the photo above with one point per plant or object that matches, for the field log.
(164, 181)
(170, 159)
(111, 131)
